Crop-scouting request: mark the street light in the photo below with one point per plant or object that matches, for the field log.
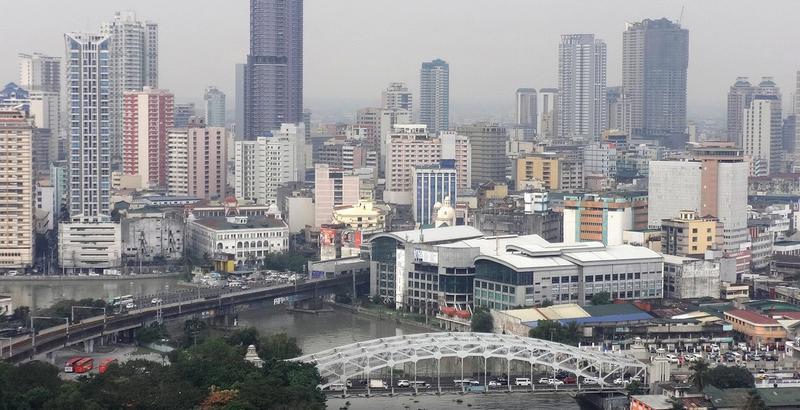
(33, 329)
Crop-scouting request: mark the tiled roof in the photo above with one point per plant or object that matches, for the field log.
(751, 317)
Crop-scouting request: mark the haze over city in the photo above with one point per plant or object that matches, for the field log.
(354, 47)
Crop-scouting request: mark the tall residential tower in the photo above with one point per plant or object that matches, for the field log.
(215, 107)
(434, 95)
(582, 87)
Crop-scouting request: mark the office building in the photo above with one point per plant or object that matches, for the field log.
(197, 160)
(182, 113)
(602, 218)
(488, 144)
(548, 113)
(616, 111)
(434, 95)
(369, 121)
(713, 182)
(16, 185)
(600, 159)
(757, 135)
(41, 76)
(397, 97)
(389, 117)
(431, 185)
(90, 155)
(690, 235)
(526, 111)
(768, 90)
(132, 65)
(410, 145)
(147, 117)
(265, 164)
(655, 58)
(537, 171)
(582, 87)
(740, 97)
(238, 123)
(797, 109)
(528, 214)
(273, 77)
(332, 187)
(215, 107)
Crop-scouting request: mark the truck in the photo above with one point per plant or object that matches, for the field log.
(377, 384)
(104, 364)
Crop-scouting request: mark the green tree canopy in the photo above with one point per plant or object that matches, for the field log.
(482, 321)
(556, 332)
(730, 377)
(601, 298)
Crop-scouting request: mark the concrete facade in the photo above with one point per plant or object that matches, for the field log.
(690, 278)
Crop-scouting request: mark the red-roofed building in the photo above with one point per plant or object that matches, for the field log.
(755, 327)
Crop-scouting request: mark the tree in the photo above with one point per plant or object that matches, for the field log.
(634, 388)
(724, 377)
(482, 321)
(244, 338)
(194, 331)
(151, 334)
(754, 401)
(556, 332)
(279, 346)
(601, 298)
(546, 303)
(700, 375)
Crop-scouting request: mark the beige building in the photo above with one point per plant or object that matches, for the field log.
(538, 171)
(197, 160)
(409, 146)
(690, 235)
(332, 187)
(16, 191)
(363, 216)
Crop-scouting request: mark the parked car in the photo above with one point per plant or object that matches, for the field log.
(569, 380)
(156, 301)
(494, 383)
(590, 380)
(403, 383)
(672, 358)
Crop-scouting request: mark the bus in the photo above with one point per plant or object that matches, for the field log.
(85, 365)
(104, 364)
(121, 300)
(69, 366)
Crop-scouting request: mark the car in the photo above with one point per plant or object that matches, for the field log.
(522, 381)
(672, 358)
(494, 383)
(244, 287)
(130, 305)
(463, 381)
(12, 273)
(555, 382)
(403, 383)
(620, 380)
(336, 387)
(590, 380)
(156, 301)
(569, 380)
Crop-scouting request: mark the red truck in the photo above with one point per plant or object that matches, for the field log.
(104, 365)
(85, 365)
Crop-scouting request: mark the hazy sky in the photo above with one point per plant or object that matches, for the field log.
(353, 48)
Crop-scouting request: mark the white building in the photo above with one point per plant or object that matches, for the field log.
(149, 234)
(397, 97)
(178, 161)
(248, 238)
(690, 278)
(757, 135)
(434, 95)
(600, 159)
(89, 247)
(263, 165)
(582, 87)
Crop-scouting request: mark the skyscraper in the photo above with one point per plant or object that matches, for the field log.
(768, 90)
(238, 123)
(757, 134)
(488, 145)
(655, 56)
(147, 117)
(397, 96)
(215, 107)
(434, 95)
(525, 115)
(739, 98)
(197, 160)
(41, 76)
(274, 74)
(548, 114)
(582, 87)
(133, 65)
(89, 108)
(16, 206)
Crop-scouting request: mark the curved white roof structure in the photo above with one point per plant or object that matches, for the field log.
(360, 359)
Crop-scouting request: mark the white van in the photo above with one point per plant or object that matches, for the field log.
(522, 381)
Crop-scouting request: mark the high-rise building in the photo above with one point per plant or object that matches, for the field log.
(797, 110)
(434, 95)
(238, 124)
(410, 145)
(655, 57)
(739, 98)
(602, 218)
(182, 114)
(768, 90)
(548, 114)
(757, 135)
(582, 87)
(89, 118)
(41, 76)
(133, 65)
(369, 120)
(147, 117)
(273, 77)
(397, 97)
(431, 185)
(525, 115)
(39, 72)
(215, 107)
(712, 183)
(615, 106)
(265, 164)
(488, 144)
(332, 187)
(197, 160)
(16, 182)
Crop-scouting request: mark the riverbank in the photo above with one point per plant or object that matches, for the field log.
(72, 278)
(388, 315)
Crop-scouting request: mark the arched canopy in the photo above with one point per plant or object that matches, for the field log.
(338, 364)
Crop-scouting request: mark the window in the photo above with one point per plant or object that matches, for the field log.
(575, 279)
(556, 280)
(590, 278)
(608, 278)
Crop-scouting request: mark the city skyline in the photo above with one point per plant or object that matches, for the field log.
(334, 78)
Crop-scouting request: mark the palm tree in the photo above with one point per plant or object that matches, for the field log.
(700, 376)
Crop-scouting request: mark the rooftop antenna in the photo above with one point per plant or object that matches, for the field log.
(680, 19)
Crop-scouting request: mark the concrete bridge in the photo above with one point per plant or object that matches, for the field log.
(222, 303)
